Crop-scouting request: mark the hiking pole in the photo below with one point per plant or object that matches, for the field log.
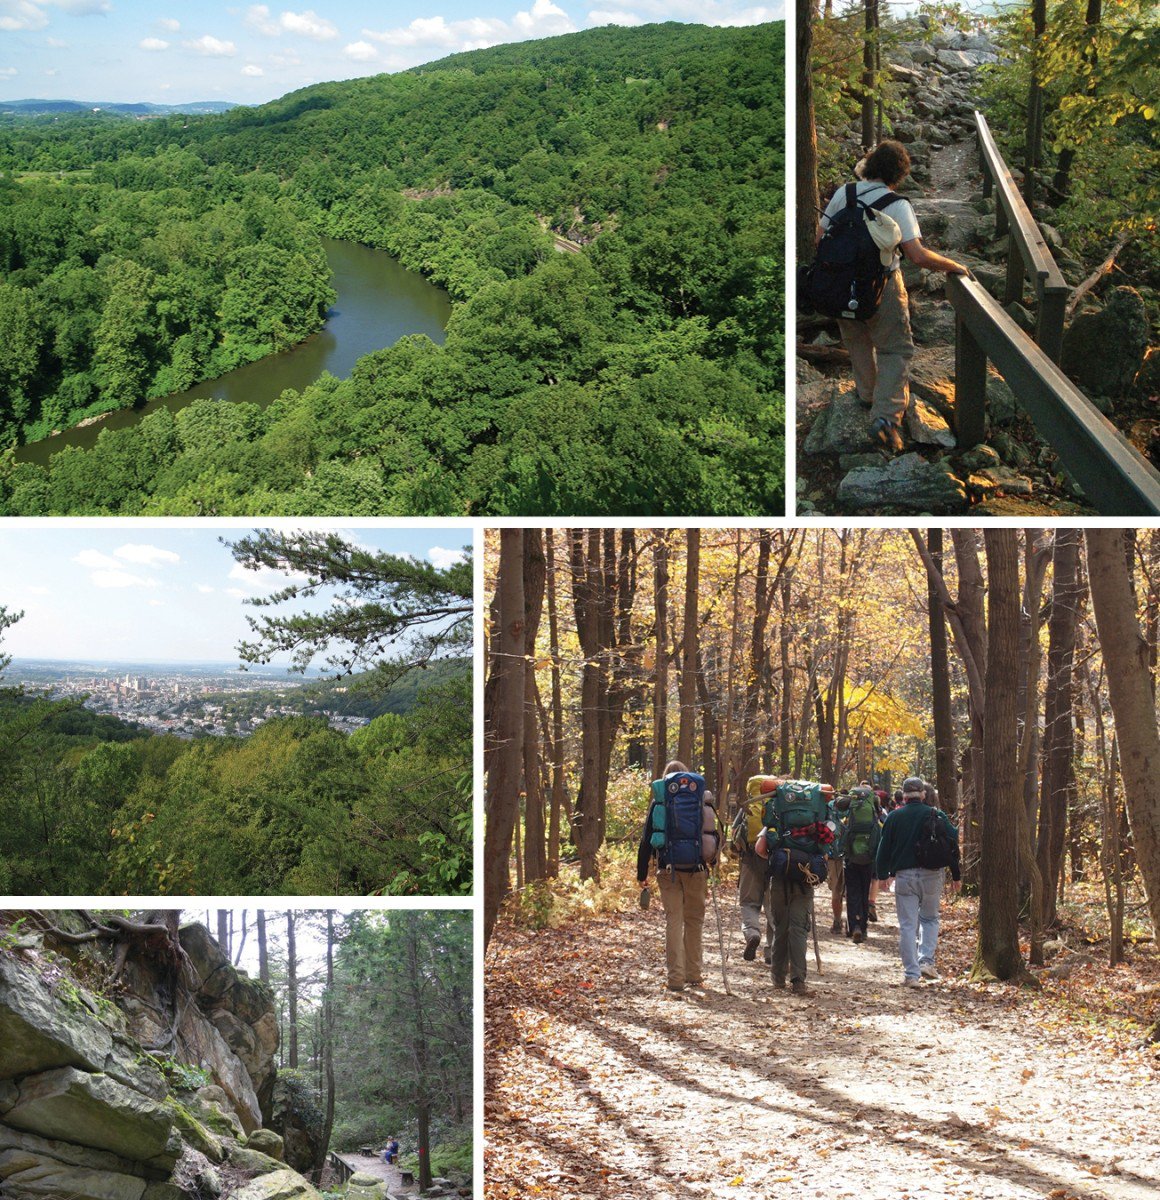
(720, 935)
(814, 926)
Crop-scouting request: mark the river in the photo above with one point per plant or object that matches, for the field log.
(379, 301)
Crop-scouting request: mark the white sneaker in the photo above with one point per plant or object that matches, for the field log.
(929, 971)
(912, 983)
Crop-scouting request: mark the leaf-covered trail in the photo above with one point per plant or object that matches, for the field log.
(600, 1083)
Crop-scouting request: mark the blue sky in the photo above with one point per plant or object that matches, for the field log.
(172, 51)
(148, 594)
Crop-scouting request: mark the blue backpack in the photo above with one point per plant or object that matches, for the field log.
(677, 820)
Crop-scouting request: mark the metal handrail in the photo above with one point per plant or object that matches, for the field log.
(1114, 475)
(1028, 256)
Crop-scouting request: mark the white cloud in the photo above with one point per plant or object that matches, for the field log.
(39, 591)
(613, 17)
(155, 603)
(543, 20)
(149, 556)
(169, 24)
(308, 24)
(361, 52)
(119, 579)
(94, 560)
(265, 579)
(9, 71)
(55, 43)
(154, 44)
(20, 14)
(205, 589)
(212, 47)
(443, 558)
(304, 24)
(238, 593)
(82, 8)
(252, 70)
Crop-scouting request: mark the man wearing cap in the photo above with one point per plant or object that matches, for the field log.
(917, 890)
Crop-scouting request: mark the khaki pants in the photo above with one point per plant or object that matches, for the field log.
(683, 894)
(751, 895)
(880, 353)
(792, 908)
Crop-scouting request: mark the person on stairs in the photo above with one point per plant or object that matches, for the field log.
(881, 348)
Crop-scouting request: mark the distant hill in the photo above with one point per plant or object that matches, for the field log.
(17, 109)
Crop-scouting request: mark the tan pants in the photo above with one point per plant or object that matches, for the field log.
(683, 894)
(880, 352)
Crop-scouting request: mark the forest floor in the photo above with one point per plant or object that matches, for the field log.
(600, 1083)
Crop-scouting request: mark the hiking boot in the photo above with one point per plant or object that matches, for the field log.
(908, 982)
(837, 925)
(859, 937)
(872, 913)
(675, 987)
(751, 945)
(929, 971)
(799, 988)
(886, 434)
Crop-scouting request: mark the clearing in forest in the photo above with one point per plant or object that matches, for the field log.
(602, 1084)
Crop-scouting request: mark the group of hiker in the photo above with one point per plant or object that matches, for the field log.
(790, 836)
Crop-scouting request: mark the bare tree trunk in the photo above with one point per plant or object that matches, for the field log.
(1057, 726)
(535, 851)
(661, 692)
(997, 952)
(688, 692)
(263, 957)
(223, 930)
(806, 189)
(785, 724)
(946, 759)
(327, 1052)
(559, 792)
(291, 991)
(506, 726)
(1130, 693)
(1033, 149)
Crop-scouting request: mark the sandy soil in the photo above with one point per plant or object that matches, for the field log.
(601, 1083)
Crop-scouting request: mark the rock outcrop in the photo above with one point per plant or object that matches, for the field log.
(130, 1076)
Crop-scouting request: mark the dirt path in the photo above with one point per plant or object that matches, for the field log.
(602, 1084)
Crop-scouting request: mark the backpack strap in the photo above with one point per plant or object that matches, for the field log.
(885, 201)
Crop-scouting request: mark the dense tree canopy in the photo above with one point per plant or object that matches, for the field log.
(606, 207)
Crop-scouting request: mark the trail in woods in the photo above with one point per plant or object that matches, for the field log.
(600, 1083)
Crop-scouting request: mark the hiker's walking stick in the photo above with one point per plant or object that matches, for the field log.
(720, 935)
(814, 926)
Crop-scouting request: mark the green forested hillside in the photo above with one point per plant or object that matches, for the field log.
(605, 207)
(89, 805)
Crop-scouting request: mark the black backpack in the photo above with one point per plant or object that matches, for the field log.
(934, 848)
(847, 277)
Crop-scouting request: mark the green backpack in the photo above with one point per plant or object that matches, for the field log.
(860, 842)
(797, 814)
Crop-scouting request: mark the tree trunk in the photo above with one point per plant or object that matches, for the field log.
(558, 787)
(785, 724)
(806, 188)
(688, 692)
(223, 930)
(997, 952)
(1033, 145)
(505, 736)
(661, 691)
(535, 850)
(263, 956)
(1057, 723)
(946, 760)
(1130, 694)
(327, 1052)
(291, 992)
(869, 73)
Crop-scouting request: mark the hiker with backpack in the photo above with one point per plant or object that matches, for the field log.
(917, 844)
(752, 897)
(680, 833)
(856, 277)
(797, 831)
(861, 832)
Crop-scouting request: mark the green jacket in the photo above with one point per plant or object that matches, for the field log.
(900, 832)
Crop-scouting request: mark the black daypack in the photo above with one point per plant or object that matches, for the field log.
(847, 278)
(934, 848)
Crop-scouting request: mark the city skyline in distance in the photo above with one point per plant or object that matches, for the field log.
(171, 595)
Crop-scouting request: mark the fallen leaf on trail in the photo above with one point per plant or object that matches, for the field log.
(736, 1181)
